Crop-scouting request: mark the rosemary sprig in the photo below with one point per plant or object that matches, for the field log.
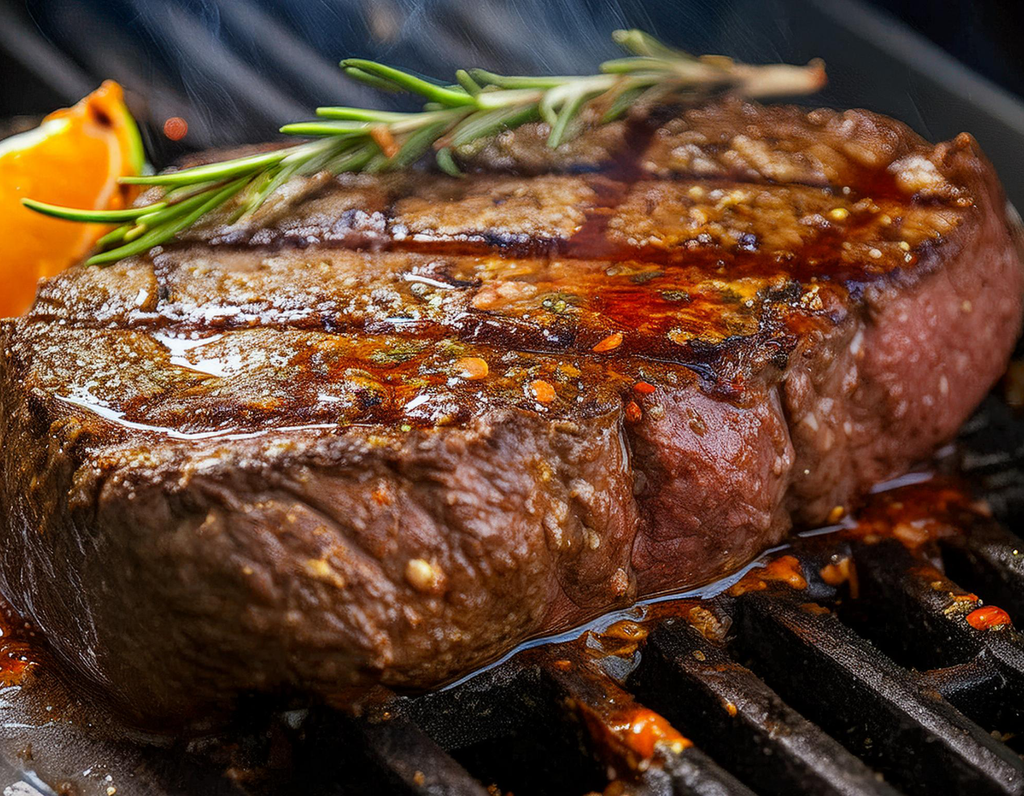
(478, 104)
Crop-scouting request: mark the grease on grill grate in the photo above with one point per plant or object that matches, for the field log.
(879, 659)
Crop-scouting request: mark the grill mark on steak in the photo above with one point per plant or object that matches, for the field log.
(589, 217)
(256, 456)
(687, 318)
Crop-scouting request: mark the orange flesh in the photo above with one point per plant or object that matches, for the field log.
(73, 159)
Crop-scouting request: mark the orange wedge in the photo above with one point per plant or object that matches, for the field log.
(74, 158)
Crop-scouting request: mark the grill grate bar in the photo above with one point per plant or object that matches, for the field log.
(818, 708)
(982, 670)
(933, 630)
(693, 773)
(990, 559)
(413, 763)
(868, 703)
(739, 720)
(976, 690)
(633, 741)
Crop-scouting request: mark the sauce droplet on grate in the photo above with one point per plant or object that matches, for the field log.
(988, 618)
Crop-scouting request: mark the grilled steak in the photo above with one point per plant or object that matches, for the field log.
(394, 425)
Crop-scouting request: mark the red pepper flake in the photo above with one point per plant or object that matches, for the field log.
(472, 368)
(610, 343)
(988, 618)
(542, 391)
(633, 412)
(381, 495)
(644, 388)
(382, 137)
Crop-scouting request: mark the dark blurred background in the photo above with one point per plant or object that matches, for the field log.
(235, 70)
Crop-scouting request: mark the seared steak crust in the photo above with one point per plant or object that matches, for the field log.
(394, 425)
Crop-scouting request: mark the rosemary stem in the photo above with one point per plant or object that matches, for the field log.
(157, 236)
(89, 216)
(212, 171)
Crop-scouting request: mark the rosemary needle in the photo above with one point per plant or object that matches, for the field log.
(478, 104)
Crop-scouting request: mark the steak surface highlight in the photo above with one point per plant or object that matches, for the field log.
(394, 425)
